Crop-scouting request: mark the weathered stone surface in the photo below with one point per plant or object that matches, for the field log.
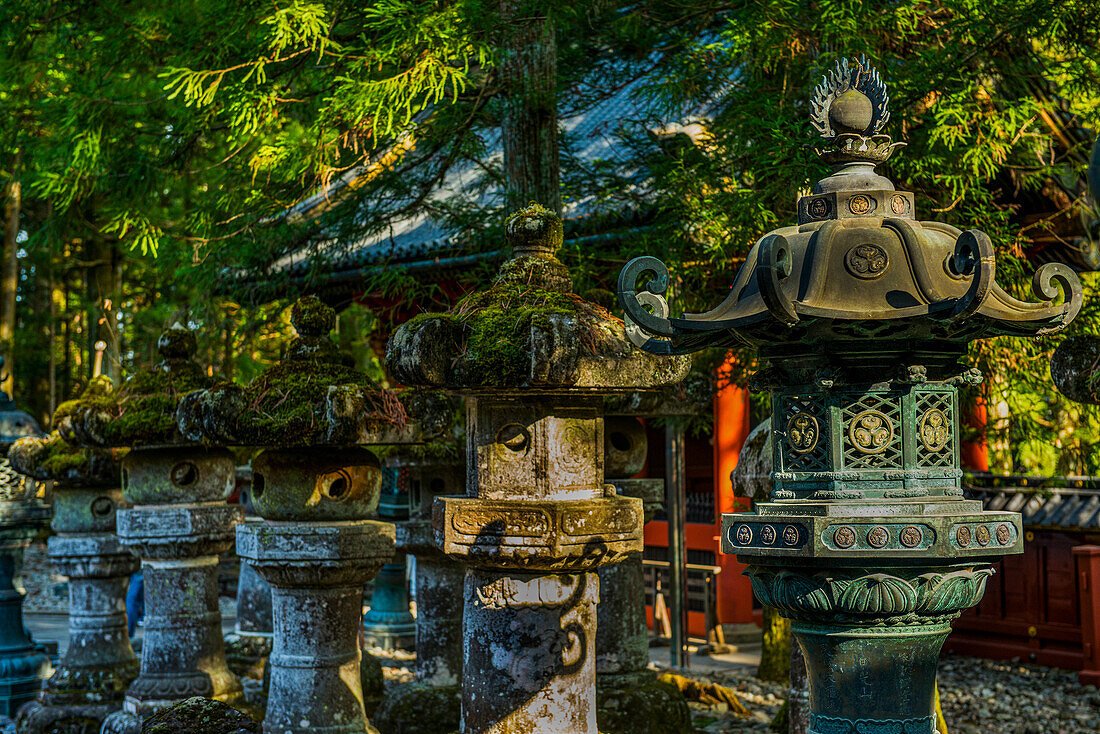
(249, 645)
(316, 572)
(313, 397)
(629, 698)
(316, 484)
(178, 538)
(527, 330)
(532, 358)
(529, 652)
(432, 704)
(99, 664)
(200, 716)
(142, 411)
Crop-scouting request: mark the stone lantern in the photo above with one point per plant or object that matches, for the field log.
(178, 523)
(23, 665)
(315, 488)
(99, 663)
(537, 520)
(629, 698)
(431, 703)
(388, 623)
(861, 315)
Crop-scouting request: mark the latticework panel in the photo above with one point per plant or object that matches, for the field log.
(935, 425)
(805, 438)
(872, 432)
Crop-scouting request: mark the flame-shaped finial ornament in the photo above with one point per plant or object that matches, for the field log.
(851, 98)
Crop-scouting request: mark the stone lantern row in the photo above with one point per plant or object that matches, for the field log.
(530, 544)
(506, 537)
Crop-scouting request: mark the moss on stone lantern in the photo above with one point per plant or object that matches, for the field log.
(533, 360)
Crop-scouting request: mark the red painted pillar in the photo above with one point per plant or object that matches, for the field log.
(731, 428)
(975, 454)
(1088, 586)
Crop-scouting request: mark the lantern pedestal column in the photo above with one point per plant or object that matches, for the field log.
(317, 572)
(629, 698)
(99, 663)
(431, 704)
(22, 665)
(538, 522)
(177, 528)
(388, 623)
(249, 646)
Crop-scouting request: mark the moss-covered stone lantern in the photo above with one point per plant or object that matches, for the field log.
(533, 360)
(316, 489)
(23, 664)
(178, 523)
(861, 314)
(99, 663)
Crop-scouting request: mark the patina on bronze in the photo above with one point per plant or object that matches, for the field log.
(861, 315)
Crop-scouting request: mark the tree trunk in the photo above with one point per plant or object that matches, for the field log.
(9, 277)
(528, 75)
(775, 654)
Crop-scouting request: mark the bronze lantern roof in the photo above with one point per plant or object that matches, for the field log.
(859, 267)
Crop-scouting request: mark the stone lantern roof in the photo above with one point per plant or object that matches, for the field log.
(52, 458)
(313, 397)
(859, 271)
(141, 412)
(527, 331)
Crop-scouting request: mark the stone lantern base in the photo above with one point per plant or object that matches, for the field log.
(317, 571)
(99, 664)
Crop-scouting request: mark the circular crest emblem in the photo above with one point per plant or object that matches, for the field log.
(982, 534)
(861, 204)
(867, 261)
(899, 204)
(1004, 535)
(790, 535)
(871, 432)
(803, 431)
(878, 536)
(962, 536)
(819, 208)
(767, 534)
(911, 536)
(844, 537)
(934, 431)
(744, 535)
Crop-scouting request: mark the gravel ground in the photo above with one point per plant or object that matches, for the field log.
(978, 697)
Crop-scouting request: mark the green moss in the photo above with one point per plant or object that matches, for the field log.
(498, 325)
(285, 406)
(143, 409)
(534, 228)
(99, 387)
(61, 458)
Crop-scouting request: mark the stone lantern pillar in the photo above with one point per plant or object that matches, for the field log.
(23, 665)
(431, 704)
(315, 489)
(178, 523)
(629, 698)
(533, 360)
(388, 623)
(99, 663)
(249, 645)
(861, 315)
